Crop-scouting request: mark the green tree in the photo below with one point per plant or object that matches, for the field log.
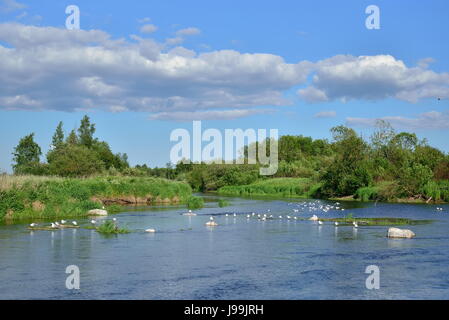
(86, 132)
(71, 160)
(26, 155)
(58, 137)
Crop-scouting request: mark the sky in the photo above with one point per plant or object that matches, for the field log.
(141, 69)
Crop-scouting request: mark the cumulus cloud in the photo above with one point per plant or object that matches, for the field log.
(188, 32)
(428, 120)
(148, 28)
(345, 77)
(59, 69)
(326, 114)
(48, 68)
(209, 115)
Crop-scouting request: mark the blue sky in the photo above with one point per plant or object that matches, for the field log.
(301, 67)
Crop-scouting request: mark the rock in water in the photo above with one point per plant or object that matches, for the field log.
(97, 212)
(400, 233)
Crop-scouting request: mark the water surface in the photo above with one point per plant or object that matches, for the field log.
(239, 259)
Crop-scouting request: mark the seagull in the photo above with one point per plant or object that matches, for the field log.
(74, 223)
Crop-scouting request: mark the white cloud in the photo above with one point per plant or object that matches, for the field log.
(428, 120)
(346, 77)
(188, 32)
(208, 115)
(148, 28)
(10, 6)
(326, 114)
(50, 68)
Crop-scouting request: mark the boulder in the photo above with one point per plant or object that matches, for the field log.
(400, 233)
(97, 212)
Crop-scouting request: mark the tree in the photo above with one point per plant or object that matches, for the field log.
(58, 137)
(86, 132)
(26, 154)
(71, 160)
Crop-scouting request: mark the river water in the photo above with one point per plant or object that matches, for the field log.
(239, 259)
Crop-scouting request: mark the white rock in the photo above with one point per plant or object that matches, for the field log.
(400, 233)
(97, 212)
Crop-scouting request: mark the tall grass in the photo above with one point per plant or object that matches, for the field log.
(285, 187)
(45, 197)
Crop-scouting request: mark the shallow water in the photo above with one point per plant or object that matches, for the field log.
(239, 259)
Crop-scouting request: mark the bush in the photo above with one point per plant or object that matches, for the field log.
(195, 202)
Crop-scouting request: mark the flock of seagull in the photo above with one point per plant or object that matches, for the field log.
(303, 207)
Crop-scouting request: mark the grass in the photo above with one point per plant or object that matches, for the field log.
(223, 203)
(109, 227)
(195, 202)
(25, 197)
(348, 220)
(284, 187)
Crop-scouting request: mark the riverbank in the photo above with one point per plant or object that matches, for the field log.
(24, 197)
(308, 188)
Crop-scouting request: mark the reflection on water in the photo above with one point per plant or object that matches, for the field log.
(240, 259)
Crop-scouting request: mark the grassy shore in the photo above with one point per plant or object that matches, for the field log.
(276, 187)
(23, 197)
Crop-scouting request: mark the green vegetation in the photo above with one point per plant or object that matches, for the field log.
(284, 187)
(195, 202)
(109, 227)
(223, 203)
(44, 197)
(376, 221)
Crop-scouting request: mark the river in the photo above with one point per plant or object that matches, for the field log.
(239, 259)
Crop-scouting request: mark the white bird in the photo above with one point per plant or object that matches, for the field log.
(74, 223)
(355, 224)
(63, 221)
